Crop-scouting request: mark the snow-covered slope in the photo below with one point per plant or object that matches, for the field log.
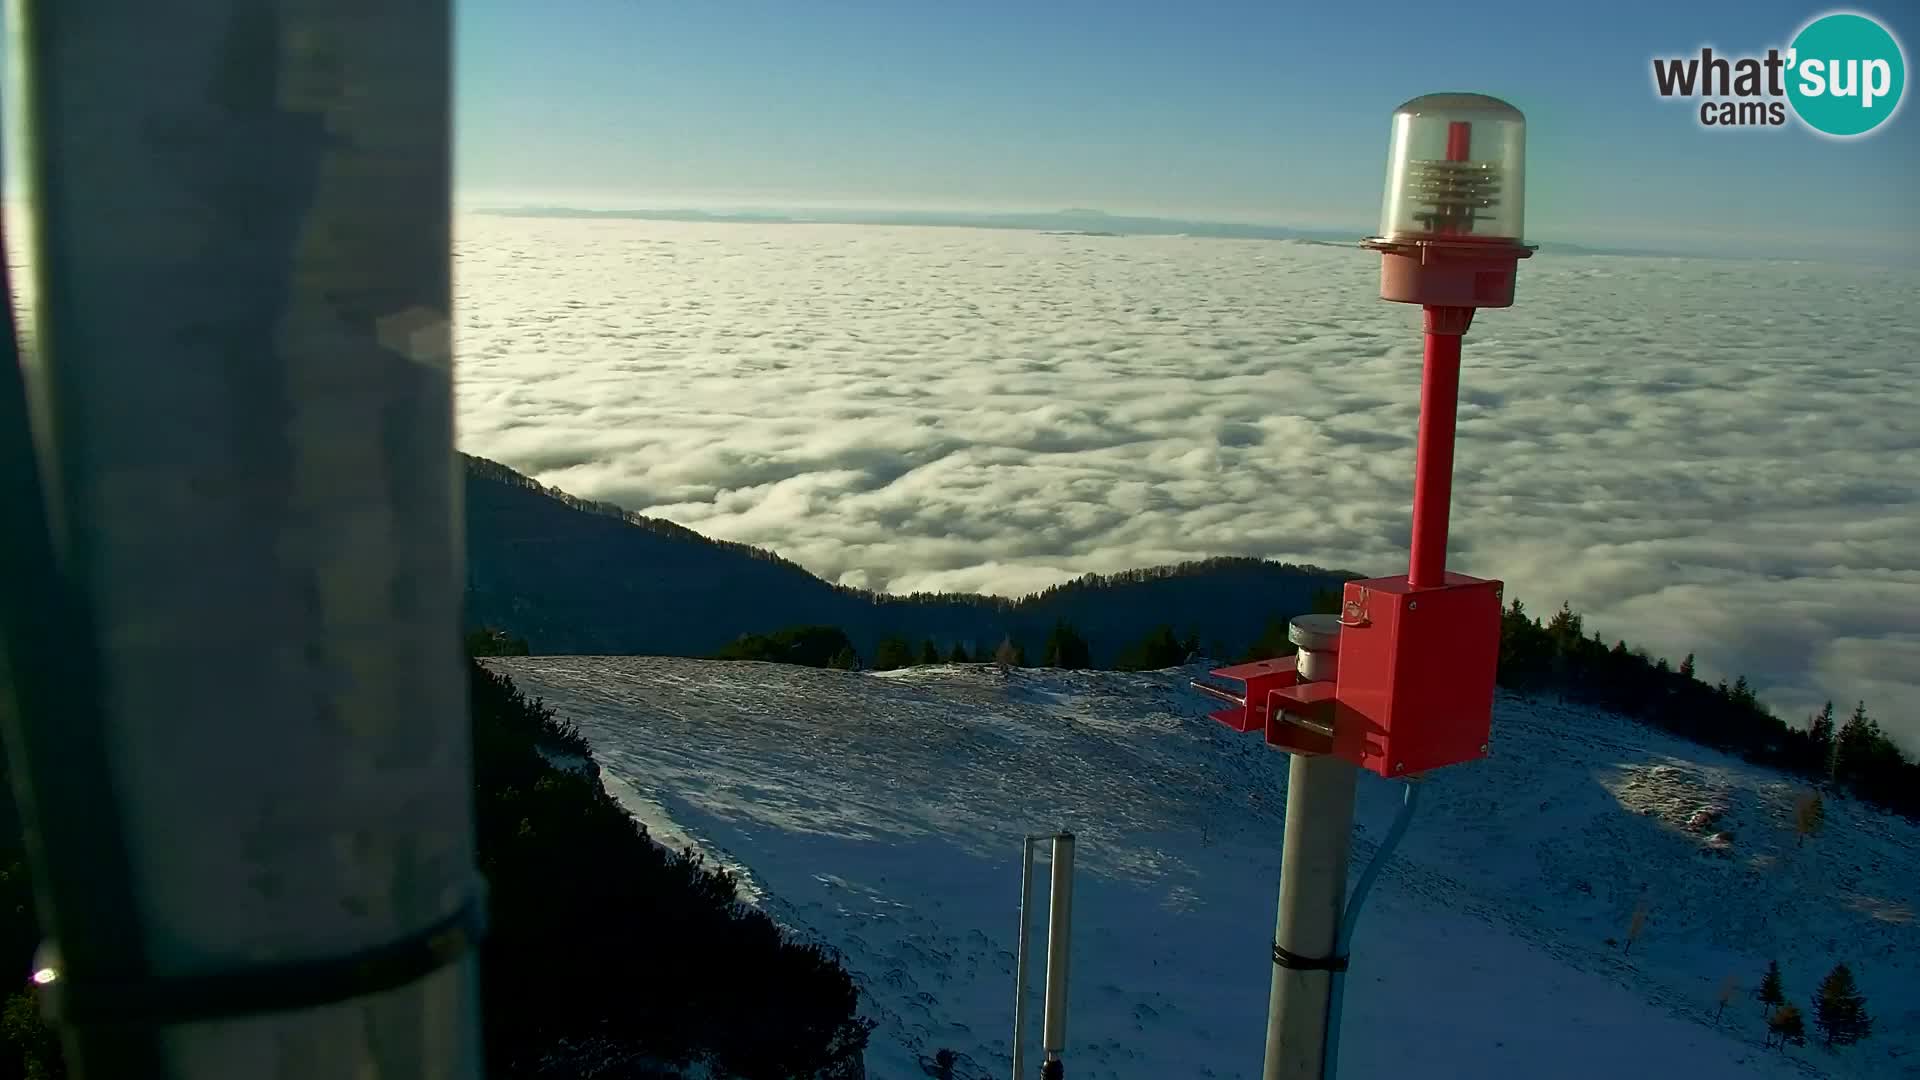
(882, 814)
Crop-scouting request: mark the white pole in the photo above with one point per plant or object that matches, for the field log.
(1313, 881)
(242, 251)
(1020, 961)
(1059, 951)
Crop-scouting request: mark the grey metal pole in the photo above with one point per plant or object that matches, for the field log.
(242, 348)
(1020, 960)
(1313, 880)
(1059, 952)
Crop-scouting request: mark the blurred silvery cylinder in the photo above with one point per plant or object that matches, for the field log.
(243, 368)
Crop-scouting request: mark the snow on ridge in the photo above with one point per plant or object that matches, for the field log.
(881, 815)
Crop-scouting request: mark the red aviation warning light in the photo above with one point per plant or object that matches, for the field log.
(1401, 680)
(1451, 225)
(1412, 688)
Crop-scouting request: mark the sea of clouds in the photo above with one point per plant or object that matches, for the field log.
(1701, 455)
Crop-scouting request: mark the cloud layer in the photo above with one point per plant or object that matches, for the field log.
(1700, 455)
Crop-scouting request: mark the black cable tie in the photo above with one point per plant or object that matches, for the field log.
(1295, 962)
(302, 984)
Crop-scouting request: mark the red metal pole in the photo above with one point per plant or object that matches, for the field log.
(1433, 460)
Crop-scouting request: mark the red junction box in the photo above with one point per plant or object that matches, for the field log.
(1416, 675)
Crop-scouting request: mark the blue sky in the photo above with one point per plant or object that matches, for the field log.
(1261, 111)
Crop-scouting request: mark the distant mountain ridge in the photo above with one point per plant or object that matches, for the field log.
(1073, 222)
(576, 576)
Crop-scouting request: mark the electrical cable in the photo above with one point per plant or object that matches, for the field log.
(1330, 1062)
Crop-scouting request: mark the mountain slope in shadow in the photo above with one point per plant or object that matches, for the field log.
(580, 577)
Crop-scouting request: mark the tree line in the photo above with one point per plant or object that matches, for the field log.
(830, 647)
(1557, 656)
(1852, 755)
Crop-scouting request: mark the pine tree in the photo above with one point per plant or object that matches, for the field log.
(1771, 994)
(893, 653)
(1272, 643)
(1066, 648)
(1566, 629)
(1840, 1011)
(1742, 694)
(1160, 649)
(1686, 667)
(1853, 746)
(959, 655)
(845, 660)
(929, 654)
(1786, 1026)
(1326, 601)
(1821, 731)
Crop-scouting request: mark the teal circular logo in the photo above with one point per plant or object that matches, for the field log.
(1845, 74)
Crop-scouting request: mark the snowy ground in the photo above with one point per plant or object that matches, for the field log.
(882, 814)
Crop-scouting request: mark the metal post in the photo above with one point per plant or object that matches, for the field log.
(1020, 961)
(241, 240)
(1433, 457)
(1059, 950)
(1313, 881)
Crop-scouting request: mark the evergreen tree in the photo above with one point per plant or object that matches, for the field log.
(1272, 643)
(1066, 648)
(1565, 628)
(1854, 745)
(1160, 649)
(1786, 1026)
(1771, 994)
(929, 654)
(892, 654)
(959, 655)
(1840, 1011)
(1821, 731)
(813, 646)
(845, 660)
(1742, 694)
(1686, 667)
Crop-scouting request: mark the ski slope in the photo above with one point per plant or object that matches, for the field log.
(882, 814)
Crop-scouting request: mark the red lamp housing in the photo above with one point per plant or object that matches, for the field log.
(1451, 224)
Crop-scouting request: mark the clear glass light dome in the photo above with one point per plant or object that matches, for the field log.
(1457, 168)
